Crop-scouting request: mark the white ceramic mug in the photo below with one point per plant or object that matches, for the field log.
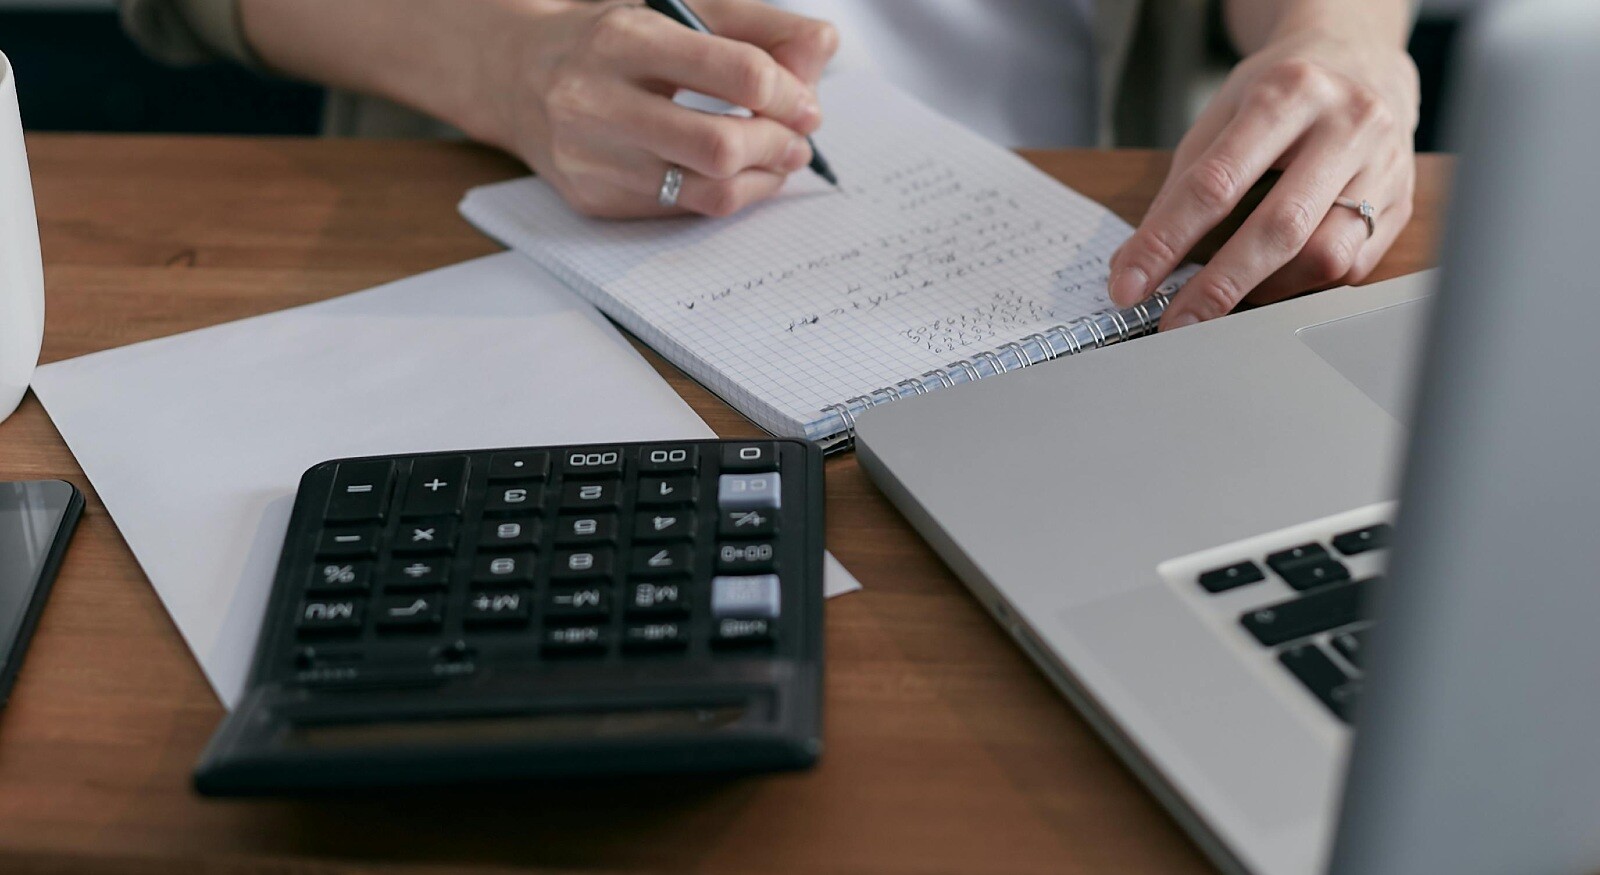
(21, 273)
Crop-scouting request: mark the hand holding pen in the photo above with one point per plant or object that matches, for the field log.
(680, 12)
(589, 104)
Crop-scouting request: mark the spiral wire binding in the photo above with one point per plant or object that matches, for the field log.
(1125, 325)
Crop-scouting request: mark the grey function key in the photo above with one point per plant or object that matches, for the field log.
(749, 492)
(753, 596)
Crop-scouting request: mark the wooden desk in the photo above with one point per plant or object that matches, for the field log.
(946, 750)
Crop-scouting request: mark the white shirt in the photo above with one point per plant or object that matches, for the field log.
(1020, 72)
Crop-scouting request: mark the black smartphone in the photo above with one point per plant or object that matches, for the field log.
(36, 521)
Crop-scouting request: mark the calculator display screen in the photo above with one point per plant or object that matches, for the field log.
(30, 517)
(522, 727)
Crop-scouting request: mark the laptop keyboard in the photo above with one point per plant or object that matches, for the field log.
(1300, 598)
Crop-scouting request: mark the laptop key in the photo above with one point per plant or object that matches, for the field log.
(1330, 607)
(1314, 573)
(1295, 555)
(1351, 645)
(1223, 579)
(1363, 540)
(1323, 678)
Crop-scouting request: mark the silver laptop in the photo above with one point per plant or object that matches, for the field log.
(1192, 533)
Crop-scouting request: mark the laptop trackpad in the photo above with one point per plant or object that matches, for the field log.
(1377, 351)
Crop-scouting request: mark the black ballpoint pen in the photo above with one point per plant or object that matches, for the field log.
(680, 12)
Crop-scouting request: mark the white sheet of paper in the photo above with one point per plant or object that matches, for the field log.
(196, 443)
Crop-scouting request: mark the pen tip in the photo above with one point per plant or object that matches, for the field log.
(820, 167)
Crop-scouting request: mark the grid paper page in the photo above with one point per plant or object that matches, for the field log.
(940, 246)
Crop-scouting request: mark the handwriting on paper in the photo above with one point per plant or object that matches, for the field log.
(962, 233)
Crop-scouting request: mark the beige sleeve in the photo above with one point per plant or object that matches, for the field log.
(187, 31)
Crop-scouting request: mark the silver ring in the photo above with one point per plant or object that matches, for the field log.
(1369, 213)
(671, 186)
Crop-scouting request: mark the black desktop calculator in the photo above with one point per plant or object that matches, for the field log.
(540, 612)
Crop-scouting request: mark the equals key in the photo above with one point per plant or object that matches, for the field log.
(360, 492)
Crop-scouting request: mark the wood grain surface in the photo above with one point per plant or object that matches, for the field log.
(947, 751)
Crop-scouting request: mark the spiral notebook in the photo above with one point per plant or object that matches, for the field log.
(944, 259)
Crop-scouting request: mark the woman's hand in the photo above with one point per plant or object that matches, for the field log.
(1337, 118)
(583, 93)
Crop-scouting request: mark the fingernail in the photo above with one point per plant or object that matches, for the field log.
(797, 155)
(808, 115)
(1182, 320)
(1128, 286)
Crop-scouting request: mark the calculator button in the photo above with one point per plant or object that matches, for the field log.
(436, 536)
(669, 459)
(663, 560)
(590, 496)
(592, 462)
(752, 596)
(504, 568)
(749, 492)
(569, 564)
(600, 528)
(664, 526)
(748, 523)
(750, 457)
(749, 557)
(347, 543)
(655, 636)
(575, 640)
(662, 597)
(587, 601)
(498, 608)
(419, 573)
(665, 490)
(503, 499)
(733, 632)
(329, 616)
(519, 465)
(412, 613)
(436, 486)
(506, 534)
(360, 491)
(340, 577)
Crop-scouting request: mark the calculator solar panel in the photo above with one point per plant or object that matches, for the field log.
(514, 613)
